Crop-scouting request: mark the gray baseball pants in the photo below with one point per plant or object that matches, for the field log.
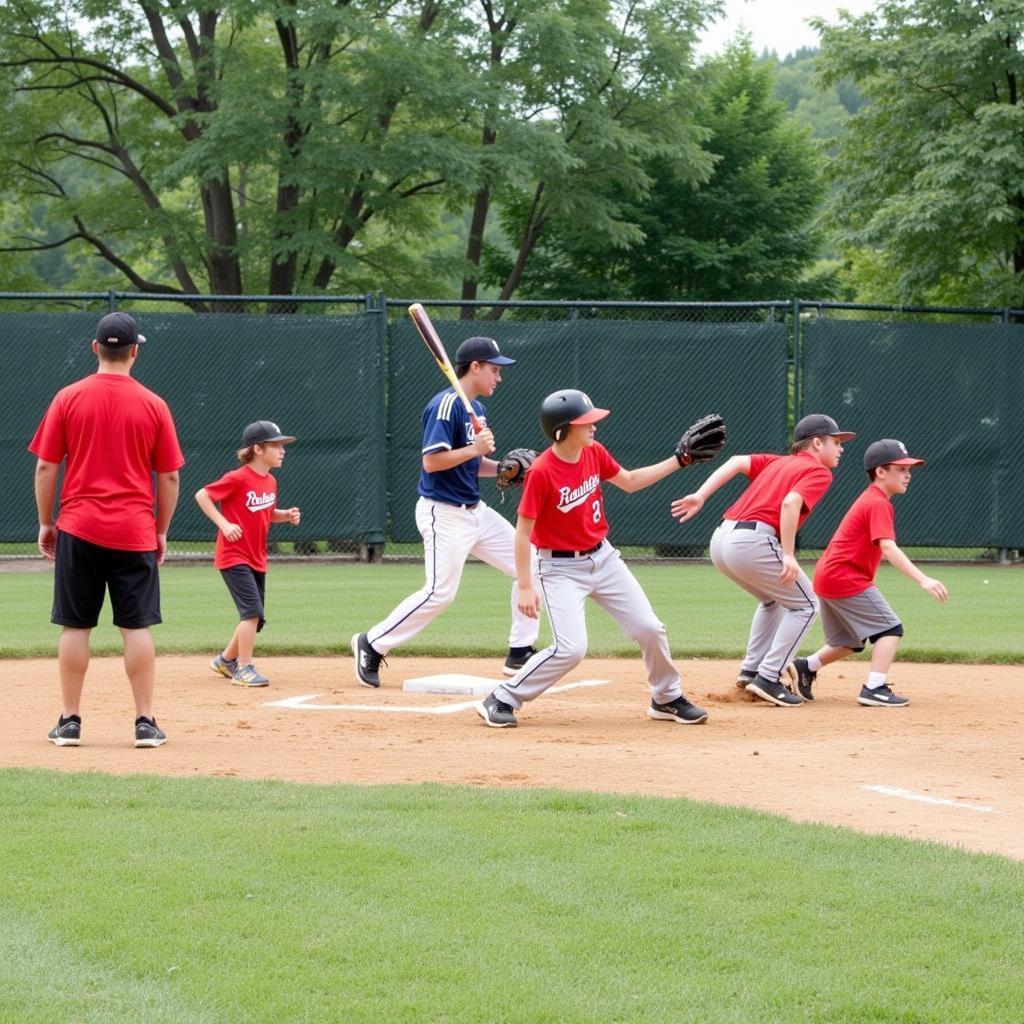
(565, 584)
(753, 559)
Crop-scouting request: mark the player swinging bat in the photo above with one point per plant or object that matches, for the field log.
(433, 343)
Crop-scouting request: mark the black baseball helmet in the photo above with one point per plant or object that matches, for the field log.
(563, 408)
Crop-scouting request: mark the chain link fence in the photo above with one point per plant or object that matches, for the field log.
(349, 377)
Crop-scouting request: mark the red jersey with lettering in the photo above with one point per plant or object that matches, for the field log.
(772, 477)
(565, 500)
(246, 498)
(850, 561)
(115, 434)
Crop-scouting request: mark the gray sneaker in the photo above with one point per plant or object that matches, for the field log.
(247, 675)
(496, 712)
(773, 692)
(148, 733)
(679, 710)
(744, 678)
(802, 676)
(225, 666)
(67, 732)
(881, 697)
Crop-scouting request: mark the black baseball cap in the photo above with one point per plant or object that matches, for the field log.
(118, 329)
(263, 432)
(481, 350)
(889, 452)
(819, 425)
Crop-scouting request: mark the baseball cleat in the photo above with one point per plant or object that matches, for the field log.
(248, 675)
(496, 713)
(881, 697)
(680, 710)
(224, 666)
(802, 677)
(67, 732)
(367, 661)
(517, 658)
(773, 692)
(148, 733)
(744, 678)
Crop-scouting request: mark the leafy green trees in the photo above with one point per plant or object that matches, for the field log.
(240, 146)
(738, 226)
(930, 172)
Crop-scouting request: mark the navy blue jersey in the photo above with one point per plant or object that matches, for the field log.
(446, 426)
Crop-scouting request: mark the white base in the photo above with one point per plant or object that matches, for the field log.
(450, 683)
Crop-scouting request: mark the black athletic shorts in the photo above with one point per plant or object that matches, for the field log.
(84, 571)
(248, 589)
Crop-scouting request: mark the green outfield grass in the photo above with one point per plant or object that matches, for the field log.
(285, 903)
(315, 609)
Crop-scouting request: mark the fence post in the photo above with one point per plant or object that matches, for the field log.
(371, 552)
(797, 342)
(111, 301)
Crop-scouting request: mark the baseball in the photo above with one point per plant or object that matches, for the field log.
(984, 581)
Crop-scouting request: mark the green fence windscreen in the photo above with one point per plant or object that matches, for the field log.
(319, 377)
(951, 393)
(656, 377)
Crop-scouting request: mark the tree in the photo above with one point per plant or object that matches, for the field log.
(742, 229)
(272, 145)
(930, 172)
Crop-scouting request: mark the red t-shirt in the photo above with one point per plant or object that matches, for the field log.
(850, 561)
(772, 477)
(114, 433)
(246, 498)
(565, 500)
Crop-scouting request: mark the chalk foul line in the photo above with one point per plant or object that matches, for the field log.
(921, 798)
(304, 702)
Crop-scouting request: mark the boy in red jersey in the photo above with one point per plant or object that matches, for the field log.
(113, 436)
(562, 514)
(248, 505)
(755, 543)
(853, 610)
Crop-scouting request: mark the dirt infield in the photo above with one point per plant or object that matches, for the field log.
(949, 768)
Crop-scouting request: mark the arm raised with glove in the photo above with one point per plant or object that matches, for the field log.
(699, 443)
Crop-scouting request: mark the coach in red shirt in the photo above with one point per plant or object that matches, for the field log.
(112, 435)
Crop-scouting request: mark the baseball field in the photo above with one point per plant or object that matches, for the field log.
(318, 851)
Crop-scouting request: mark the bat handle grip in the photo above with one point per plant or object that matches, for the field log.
(475, 420)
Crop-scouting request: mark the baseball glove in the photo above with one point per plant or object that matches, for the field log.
(702, 441)
(513, 468)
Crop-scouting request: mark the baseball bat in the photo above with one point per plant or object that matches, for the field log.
(433, 343)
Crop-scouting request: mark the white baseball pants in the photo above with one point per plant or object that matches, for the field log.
(450, 535)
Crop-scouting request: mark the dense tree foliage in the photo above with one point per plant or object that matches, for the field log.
(240, 146)
(929, 175)
(742, 230)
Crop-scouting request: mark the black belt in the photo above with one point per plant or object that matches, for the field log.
(576, 554)
(745, 526)
(456, 504)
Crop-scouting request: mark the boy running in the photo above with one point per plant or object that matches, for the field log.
(562, 514)
(853, 610)
(755, 543)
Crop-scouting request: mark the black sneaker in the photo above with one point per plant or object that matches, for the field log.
(680, 710)
(773, 692)
(517, 658)
(367, 661)
(881, 697)
(745, 678)
(67, 732)
(496, 712)
(802, 676)
(148, 733)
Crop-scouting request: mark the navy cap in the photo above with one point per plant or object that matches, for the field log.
(263, 432)
(117, 329)
(819, 425)
(481, 350)
(889, 452)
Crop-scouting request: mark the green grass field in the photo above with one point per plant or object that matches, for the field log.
(140, 900)
(315, 609)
